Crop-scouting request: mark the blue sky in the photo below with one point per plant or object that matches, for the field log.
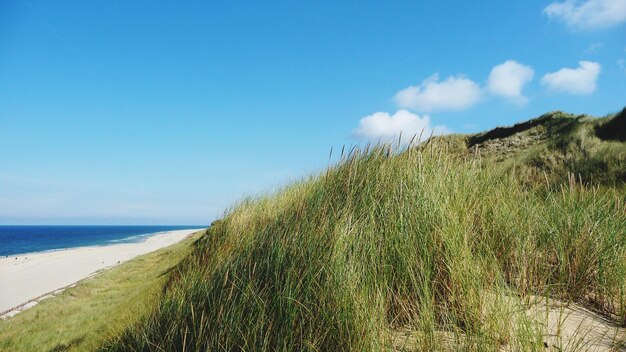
(146, 112)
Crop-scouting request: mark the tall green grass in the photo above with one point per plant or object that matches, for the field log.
(389, 241)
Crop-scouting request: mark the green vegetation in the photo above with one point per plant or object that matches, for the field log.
(444, 246)
(82, 317)
(427, 240)
(556, 145)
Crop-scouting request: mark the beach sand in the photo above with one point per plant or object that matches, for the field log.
(35, 276)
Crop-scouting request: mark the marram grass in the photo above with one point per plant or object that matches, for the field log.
(384, 242)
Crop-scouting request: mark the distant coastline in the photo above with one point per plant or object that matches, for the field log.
(27, 278)
(27, 239)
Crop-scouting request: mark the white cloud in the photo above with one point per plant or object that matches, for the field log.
(455, 93)
(581, 80)
(589, 14)
(621, 63)
(508, 80)
(382, 126)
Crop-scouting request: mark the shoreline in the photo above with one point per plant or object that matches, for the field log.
(144, 237)
(27, 278)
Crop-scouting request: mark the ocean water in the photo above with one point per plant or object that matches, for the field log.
(28, 239)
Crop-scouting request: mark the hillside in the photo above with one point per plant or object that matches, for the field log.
(416, 250)
(558, 144)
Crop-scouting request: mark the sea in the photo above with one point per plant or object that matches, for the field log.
(28, 239)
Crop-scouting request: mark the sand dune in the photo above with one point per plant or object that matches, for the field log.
(26, 277)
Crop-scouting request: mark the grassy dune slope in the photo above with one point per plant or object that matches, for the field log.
(82, 317)
(555, 145)
(427, 241)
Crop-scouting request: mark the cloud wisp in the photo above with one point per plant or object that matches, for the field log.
(621, 63)
(589, 14)
(383, 127)
(454, 93)
(578, 81)
(508, 79)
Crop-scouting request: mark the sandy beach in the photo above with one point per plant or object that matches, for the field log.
(25, 277)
